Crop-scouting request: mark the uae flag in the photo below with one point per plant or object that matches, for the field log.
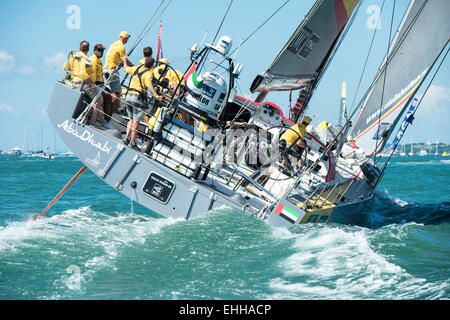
(191, 75)
(287, 213)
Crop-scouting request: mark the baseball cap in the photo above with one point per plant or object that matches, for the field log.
(124, 35)
(307, 120)
(99, 47)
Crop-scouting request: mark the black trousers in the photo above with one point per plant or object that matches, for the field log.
(295, 151)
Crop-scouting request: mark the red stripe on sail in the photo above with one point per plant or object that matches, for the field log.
(341, 14)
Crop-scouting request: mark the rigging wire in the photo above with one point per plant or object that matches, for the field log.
(367, 60)
(148, 26)
(388, 59)
(380, 141)
(383, 169)
(202, 63)
(262, 25)
(244, 40)
(83, 116)
(223, 20)
(145, 31)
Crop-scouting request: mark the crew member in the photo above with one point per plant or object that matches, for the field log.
(97, 79)
(148, 53)
(163, 71)
(114, 57)
(293, 139)
(325, 132)
(140, 82)
(82, 72)
(173, 77)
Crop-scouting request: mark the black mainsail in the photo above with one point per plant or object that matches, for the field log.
(422, 35)
(303, 59)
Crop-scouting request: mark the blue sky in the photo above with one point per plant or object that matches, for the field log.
(36, 41)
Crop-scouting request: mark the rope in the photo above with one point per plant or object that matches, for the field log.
(380, 141)
(223, 20)
(366, 62)
(148, 26)
(383, 169)
(262, 25)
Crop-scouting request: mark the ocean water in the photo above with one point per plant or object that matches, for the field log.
(95, 244)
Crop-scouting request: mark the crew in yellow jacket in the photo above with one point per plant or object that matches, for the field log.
(97, 78)
(97, 65)
(294, 136)
(164, 72)
(114, 57)
(148, 53)
(82, 70)
(140, 82)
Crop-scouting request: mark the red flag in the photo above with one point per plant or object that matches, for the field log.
(159, 43)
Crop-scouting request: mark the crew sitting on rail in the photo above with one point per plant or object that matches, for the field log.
(293, 142)
(81, 70)
(148, 53)
(323, 132)
(140, 82)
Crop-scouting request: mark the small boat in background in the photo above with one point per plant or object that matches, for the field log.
(16, 152)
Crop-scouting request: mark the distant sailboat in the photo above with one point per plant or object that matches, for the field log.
(411, 153)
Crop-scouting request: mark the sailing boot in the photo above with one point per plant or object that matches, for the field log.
(149, 147)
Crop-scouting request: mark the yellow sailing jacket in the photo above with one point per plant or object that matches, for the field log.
(80, 67)
(97, 68)
(291, 135)
(115, 54)
(141, 75)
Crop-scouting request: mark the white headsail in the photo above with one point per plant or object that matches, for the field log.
(422, 35)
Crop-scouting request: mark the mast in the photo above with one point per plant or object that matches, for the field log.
(343, 110)
(42, 137)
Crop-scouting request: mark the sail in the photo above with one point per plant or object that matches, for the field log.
(422, 35)
(307, 51)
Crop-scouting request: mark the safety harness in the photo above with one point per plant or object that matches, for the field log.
(139, 74)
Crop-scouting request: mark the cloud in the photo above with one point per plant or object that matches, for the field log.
(436, 101)
(55, 62)
(5, 107)
(26, 70)
(6, 61)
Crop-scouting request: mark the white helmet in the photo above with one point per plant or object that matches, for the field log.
(208, 93)
(224, 45)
